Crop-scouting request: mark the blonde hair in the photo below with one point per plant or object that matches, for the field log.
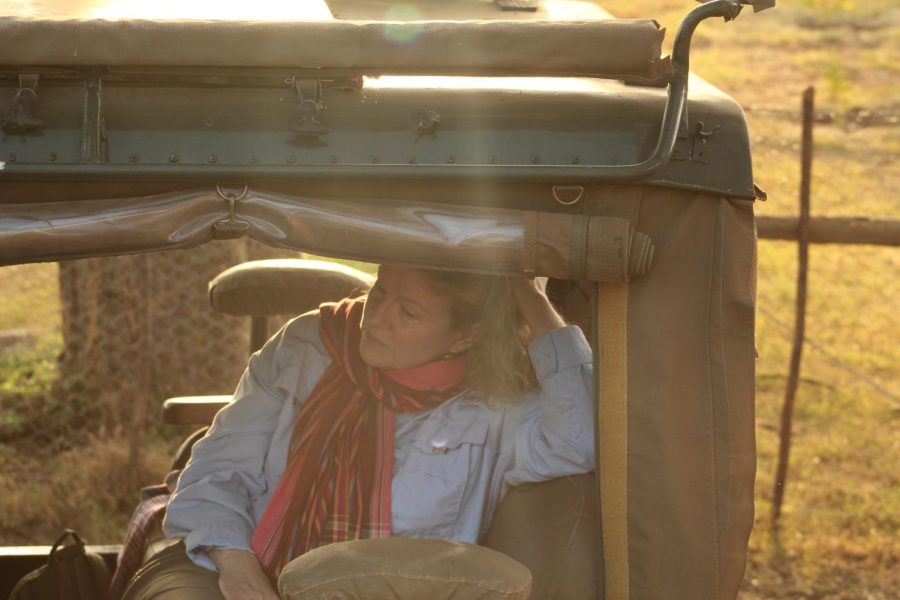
(499, 365)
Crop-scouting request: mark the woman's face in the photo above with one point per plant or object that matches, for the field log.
(405, 323)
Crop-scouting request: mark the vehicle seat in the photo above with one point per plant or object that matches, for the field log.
(550, 527)
(261, 289)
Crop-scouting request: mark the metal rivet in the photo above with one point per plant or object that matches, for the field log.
(451, 159)
(212, 158)
(493, 160)
(53, 156)
(208, 122)
(535, 158)
(702, 140)
(254, 160)
(576, 159)
(292, 158)
(374, 159)
(173, 158)
(411, 160)
(11, 157)
(132, 158)
(332, 159)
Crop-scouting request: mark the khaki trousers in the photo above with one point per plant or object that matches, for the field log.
(171, 575)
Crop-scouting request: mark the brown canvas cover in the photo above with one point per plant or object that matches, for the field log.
(691, 445)
(494, 240)
(628, 49)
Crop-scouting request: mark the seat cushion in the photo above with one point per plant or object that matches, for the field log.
(404, 568)
(552, 528)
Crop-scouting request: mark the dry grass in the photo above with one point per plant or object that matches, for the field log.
(45, 495)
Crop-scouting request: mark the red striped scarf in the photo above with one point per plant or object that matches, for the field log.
(337, 482)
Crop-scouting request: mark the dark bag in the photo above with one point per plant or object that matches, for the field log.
(71, 573)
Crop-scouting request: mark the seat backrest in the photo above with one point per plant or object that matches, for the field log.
(283, 286)
(552, 528)
(287, 286)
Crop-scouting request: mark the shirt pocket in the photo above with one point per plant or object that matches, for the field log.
(429, 485)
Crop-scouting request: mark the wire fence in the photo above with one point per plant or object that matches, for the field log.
(95, 345)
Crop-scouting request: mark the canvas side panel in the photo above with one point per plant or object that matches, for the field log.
(672, 490)
(733, 372)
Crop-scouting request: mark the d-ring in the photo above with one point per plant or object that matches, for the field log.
(230, 195)
(568, 188)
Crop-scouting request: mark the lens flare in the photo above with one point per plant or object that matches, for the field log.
(399, 29)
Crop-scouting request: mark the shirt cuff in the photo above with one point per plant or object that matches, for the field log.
(209, 537)
(558, 350)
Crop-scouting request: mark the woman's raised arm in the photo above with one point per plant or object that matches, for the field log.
(554, 435)
(535, 307)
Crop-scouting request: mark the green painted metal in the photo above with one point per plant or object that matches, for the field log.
(178, 126)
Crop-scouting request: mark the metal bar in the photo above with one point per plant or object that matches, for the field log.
(259, 332)
(832, 230)
(92, 120)
(575, 174)
(787, 411)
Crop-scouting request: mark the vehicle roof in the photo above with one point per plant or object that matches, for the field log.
(241, 111)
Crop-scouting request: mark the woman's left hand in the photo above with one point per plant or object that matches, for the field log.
(532, 300)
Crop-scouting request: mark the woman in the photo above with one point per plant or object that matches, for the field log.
(407, 413)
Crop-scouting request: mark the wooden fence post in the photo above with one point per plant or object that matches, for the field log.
(787, 410)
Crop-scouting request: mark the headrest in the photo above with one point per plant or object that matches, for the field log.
(284, 286)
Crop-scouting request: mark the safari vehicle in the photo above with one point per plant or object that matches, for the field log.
(568, 149)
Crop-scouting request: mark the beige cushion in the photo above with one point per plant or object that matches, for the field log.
(286, 286)
(404, 568)
(619, 49)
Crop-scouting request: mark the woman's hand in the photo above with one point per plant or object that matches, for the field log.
(241, 577)
(539, 314)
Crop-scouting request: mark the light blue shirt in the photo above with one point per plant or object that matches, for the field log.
(452, 464)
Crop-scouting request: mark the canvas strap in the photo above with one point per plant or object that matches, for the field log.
(612, 441)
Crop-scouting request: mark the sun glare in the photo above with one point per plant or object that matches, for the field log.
(568, 84)
(209, 10)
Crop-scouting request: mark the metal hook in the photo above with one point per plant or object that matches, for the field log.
(231, 227)
(309, 101)
(19, 118)
(226, 195)
(568, 188)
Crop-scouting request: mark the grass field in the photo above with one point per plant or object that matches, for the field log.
(839, 535)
